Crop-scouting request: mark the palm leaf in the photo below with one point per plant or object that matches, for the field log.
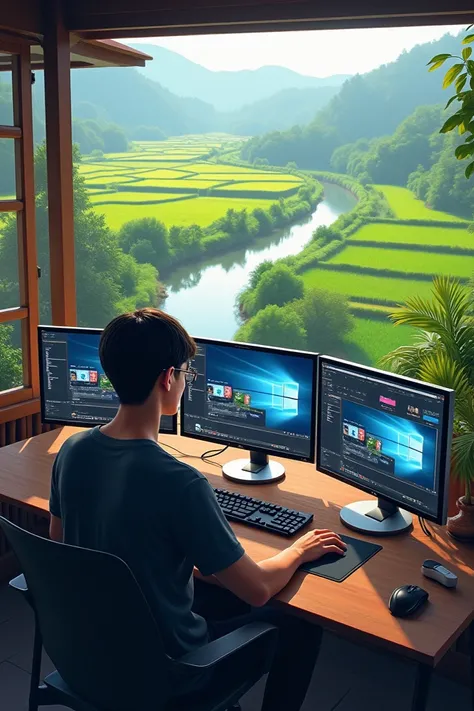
(463, 456)
(407, 360)
(440, 369)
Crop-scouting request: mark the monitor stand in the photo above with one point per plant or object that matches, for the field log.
(259, 469)
(383, 519)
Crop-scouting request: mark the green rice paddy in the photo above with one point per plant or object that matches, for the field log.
(405, 260)
(140, 183)
(353, 285)
(406, 205)
(414, 234)
(198, 210)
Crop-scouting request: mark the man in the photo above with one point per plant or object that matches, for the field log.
(115, 489)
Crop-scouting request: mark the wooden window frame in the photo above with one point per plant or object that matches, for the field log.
(27, 312)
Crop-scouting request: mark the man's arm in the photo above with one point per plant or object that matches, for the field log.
(56, 529)
(211, 544)
(257, 583)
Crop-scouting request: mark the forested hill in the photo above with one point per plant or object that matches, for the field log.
(416, 156)
(278, 112)
(225, 90)
(367, 106)
(125, 97)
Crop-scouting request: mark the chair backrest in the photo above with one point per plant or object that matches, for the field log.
(96, 625)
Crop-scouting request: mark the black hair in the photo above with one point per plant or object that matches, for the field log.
(136, 347)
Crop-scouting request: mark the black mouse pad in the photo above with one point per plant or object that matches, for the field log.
(338, 568)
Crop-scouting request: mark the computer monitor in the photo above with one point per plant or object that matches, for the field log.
(74, 387)
(253, 397)
(387, 435)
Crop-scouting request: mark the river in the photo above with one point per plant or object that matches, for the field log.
(203, 297)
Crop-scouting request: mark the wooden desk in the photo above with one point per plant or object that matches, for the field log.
(358, 606)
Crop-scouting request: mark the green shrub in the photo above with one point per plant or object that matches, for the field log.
(274, 326)
(278, 285)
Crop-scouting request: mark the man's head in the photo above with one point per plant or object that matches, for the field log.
(143, 354)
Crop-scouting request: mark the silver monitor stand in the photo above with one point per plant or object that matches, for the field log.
(259, 469)
(383, 519)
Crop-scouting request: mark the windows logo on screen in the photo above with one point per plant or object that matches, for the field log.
(410, 447)
(285, 397)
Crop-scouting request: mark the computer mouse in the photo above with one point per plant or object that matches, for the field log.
(406, 600)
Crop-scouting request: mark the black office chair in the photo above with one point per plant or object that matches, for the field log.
(98, 630)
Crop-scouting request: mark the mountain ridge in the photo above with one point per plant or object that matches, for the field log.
(223, 89)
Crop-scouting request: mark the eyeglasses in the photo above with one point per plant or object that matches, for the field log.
(190, 374)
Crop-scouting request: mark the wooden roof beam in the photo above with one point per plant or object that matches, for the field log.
(120, 18)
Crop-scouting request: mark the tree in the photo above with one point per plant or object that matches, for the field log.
(143, 252)
(11, 374)
(274, 326)
(265, 224)
(147, 229)
(463, 119)
(326, 318)
(115, 140)
(256, 274)
(100, 263)
(278, 285)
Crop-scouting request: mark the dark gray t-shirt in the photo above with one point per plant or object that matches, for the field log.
(133, 499)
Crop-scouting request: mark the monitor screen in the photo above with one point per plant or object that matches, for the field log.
(74, 387)
(385, 434)
(253, 397)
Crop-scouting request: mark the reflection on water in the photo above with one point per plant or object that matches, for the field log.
(203, 297)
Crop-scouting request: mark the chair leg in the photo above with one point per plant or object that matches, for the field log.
(35, 669)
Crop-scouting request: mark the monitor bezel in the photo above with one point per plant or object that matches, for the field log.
(448, 410)
(77, 423)
(265, 349)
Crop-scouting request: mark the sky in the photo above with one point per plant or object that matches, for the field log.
(316, 52)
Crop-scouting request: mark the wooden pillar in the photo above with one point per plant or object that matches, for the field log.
(57, 80)
(25, 191)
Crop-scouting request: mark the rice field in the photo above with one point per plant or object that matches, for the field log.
(152, 179)
(405, 260)
(379, 337)
(196, 211)
(414, 234)
(406, 205)
(353, 285)
(381, 246)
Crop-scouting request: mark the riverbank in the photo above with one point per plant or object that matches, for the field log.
(203, 296)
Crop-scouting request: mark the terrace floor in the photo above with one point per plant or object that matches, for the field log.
(347, 677)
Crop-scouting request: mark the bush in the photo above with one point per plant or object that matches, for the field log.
(274, 326)
(326, 318)
(143, 252)
(146, 229)
(278, 285)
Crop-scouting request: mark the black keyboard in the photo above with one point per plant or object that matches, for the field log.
(261, 514)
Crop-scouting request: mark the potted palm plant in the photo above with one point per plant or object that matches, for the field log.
(442, 352)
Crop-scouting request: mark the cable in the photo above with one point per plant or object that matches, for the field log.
(213, 453)
(424, 527)
(205, 456)
(181, 454)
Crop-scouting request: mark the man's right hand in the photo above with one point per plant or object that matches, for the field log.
(256, 583)
(314, 544)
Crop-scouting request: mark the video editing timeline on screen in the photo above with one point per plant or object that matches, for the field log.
(381, 435)
(251, 398)
(75, 389)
